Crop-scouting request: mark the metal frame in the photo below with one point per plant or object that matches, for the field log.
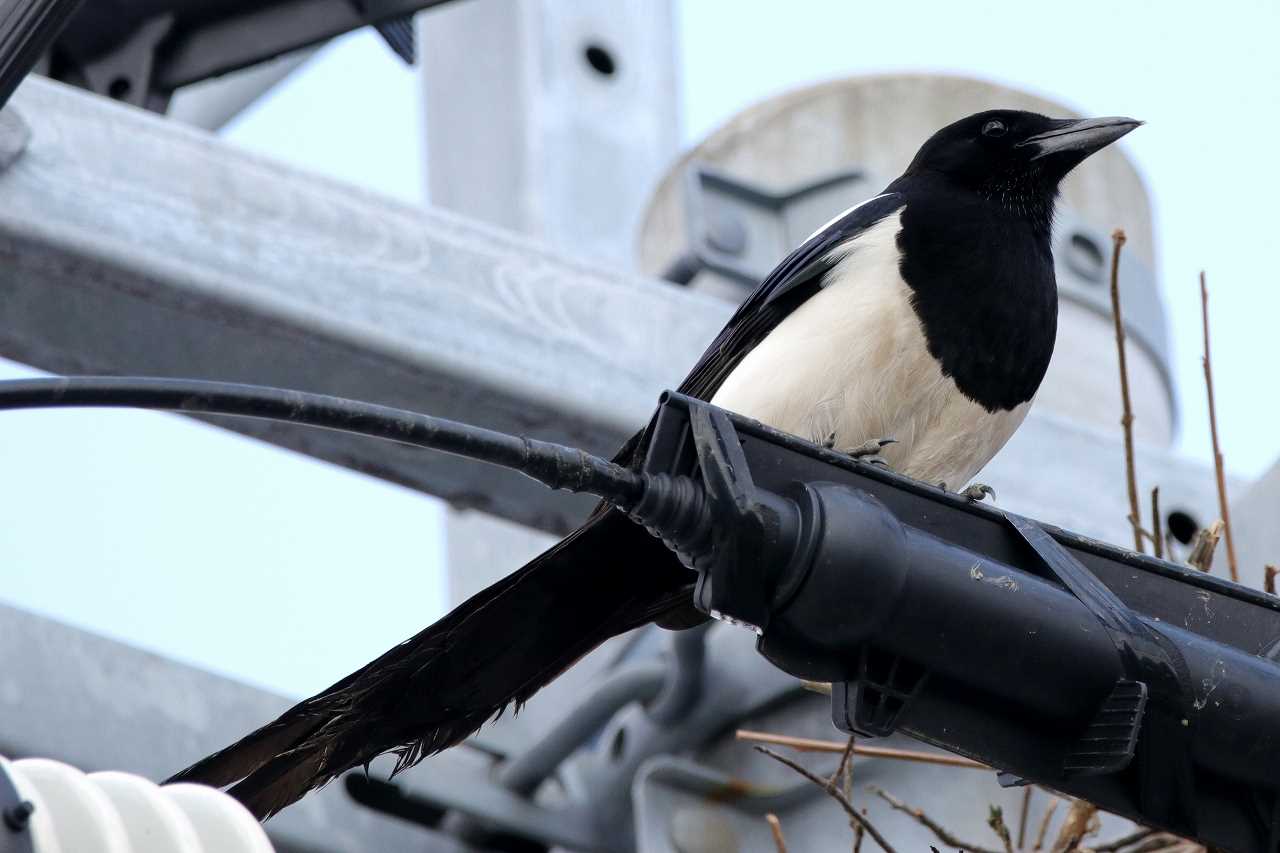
(140, 51)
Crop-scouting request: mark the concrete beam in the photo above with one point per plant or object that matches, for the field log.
(129, 244)
(554, 118)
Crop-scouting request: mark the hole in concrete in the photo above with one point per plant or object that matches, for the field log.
(600, 60)
(1085, 258)
(618, 746)
(1183, 526)
(120, 88)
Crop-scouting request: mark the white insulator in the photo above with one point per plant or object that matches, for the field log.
(220, 821)
(83, 817)
(114, 812)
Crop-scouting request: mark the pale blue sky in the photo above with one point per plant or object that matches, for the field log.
(262, 564)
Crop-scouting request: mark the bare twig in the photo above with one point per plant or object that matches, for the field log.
(1022, 816)
(804, 744)
(835, 795)
(1213, 432)
(1157, 533)
(1269, 581)
(943, 834)
(844, 774)
(843, 767)
(1081, 821)
(995, 820)
(1125, 841)
(1201, 556)
(1045, 821)
(1126, 419)
(775, 826)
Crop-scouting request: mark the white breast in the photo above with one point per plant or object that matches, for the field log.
(852, 361)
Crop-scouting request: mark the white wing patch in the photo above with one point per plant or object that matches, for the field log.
(842, 214)
(852, 362)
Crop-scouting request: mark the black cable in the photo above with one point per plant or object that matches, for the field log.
(554, 465)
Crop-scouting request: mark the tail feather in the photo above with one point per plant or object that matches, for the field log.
(432, 691)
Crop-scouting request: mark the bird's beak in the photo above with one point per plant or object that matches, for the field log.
(1083, 136)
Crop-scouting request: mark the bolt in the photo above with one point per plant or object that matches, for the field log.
(17, 817)
(725, 233)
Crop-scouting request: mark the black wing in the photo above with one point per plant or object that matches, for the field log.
(793, 281)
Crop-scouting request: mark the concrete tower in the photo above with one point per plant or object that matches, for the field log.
(756, 186)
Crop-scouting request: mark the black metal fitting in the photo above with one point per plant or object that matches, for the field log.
(1140, 685)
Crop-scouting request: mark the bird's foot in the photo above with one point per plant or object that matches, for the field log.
(868, 451)
(979, 491)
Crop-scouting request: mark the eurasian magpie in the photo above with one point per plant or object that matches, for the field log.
(926, 315)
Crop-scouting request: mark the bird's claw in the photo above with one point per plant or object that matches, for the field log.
(979, 491)
(871, 447)
(868, 451)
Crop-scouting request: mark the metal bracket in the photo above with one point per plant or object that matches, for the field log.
(739, 229)
(140, 53)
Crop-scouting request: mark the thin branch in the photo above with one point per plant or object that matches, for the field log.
(1080, 822)
(1269, 582)
(835, 795)
(943, 834)
(844, 775)
(1201, 556)
(1213, 432)
(843, 767)
(1125, 841)
(803, 744)
(1157, 534)
(775, 826)
(1022, 816)
(1045, 821)
(857, 838)
(995, 820)
(1126, 419)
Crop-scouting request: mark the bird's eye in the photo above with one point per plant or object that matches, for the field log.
(994, 128)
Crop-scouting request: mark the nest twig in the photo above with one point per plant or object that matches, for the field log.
(1201, 556)
(836, 795)
(1218, 466)
(944, 835)
(803, 744)
(775, 827)
(1126, 418)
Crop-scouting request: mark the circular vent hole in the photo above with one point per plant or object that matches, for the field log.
(600, 60)
(618, 746)
(1183, 526)
(120, 88)
(1085, 258)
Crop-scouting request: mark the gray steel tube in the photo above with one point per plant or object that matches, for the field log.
(638, 683)
(684, 685)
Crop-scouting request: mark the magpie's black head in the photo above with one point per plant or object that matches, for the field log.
(1013, 157)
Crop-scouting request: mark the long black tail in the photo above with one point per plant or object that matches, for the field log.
(433, 690)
